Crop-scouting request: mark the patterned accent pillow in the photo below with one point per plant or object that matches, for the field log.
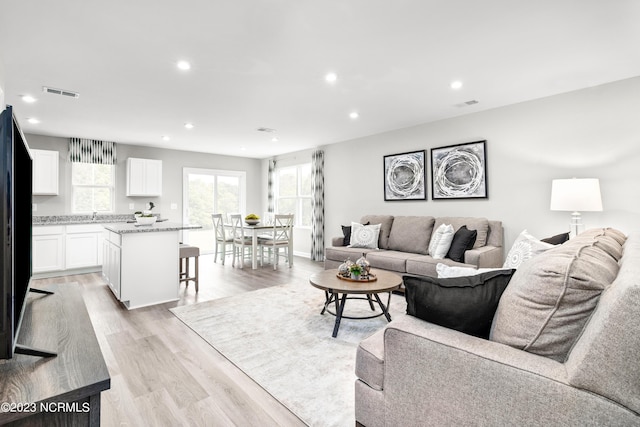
(524, 248)
(364, 236)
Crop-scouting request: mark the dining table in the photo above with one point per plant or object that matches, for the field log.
(254, 231)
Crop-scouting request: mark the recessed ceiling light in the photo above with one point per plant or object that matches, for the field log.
(165, 138)
(456, 85)
(354, 115)
(331, 77)
(28, 99)
(184, 65)
(188, 125)
(33, 121)
(243, 148)
(274, 139)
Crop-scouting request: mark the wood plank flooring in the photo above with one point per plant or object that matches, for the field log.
(162, 373)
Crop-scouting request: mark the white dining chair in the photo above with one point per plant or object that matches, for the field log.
(241, 243)
(224, 243)
(278, 240)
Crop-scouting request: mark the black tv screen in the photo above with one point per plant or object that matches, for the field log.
(16, 217)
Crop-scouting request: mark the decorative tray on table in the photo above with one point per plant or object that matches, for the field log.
(368, 278)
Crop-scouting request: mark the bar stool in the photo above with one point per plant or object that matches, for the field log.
(187, 252)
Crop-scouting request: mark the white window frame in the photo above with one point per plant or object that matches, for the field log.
(112, 187)
(298, 197)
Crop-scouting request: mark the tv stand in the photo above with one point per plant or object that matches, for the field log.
(31, 351)
(62, 390)
(40, 291)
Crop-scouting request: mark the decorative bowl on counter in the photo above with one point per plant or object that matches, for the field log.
(146, 220)
(252, 221)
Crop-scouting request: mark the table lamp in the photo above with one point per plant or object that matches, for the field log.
(576, 195)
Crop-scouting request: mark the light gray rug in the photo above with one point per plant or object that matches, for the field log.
(277, 337)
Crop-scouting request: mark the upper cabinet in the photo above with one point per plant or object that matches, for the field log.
(144, 177)
(45, 172)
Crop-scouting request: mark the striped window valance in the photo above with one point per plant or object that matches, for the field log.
(92, 151)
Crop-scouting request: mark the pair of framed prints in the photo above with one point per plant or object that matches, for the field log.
(457, 172)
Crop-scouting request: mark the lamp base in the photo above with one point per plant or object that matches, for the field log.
(576, 224)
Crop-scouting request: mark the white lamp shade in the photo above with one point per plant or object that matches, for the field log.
(577, 195)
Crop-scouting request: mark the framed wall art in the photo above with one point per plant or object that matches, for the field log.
(459, 171)
(404, 176)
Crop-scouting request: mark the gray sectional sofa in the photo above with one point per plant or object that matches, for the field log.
(404, 240)
(563, 350)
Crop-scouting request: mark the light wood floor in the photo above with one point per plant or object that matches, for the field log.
(162, 373)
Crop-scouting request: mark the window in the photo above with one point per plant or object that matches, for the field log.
(208, 191)
(293, 193)
(92, 187)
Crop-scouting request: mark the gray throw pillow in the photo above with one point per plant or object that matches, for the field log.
(551, 297)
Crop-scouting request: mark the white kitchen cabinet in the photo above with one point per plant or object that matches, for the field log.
(48, 248)
(83, 246)
(45, 172)
(144, 177)
(111, 262)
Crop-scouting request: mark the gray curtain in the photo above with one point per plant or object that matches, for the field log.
(317, 213)
(91, 151)
(270, 179)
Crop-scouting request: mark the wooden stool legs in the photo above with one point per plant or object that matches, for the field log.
(187, 252)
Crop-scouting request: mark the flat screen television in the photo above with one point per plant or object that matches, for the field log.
(15, 211)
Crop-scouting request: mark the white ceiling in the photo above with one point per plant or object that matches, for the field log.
(262, 64)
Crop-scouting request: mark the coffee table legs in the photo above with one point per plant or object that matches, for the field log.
(339, 314)
(340, 302)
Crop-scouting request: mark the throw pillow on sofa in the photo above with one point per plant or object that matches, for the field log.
(446, 271)
(463, 240)
(364, 236)
(524, 248)
(441, 241)
(552, 296)
(466, 304)
(558, 239)
(346, 232)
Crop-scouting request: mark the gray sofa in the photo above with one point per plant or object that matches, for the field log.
(416, 373)
(404, 240)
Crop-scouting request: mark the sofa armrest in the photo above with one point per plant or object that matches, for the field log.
(485, 257)
(450, 378)
(337, 241)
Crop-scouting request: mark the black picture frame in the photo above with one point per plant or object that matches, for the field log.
(459, 171)
(405, 176)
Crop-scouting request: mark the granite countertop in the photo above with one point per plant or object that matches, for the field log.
(81, 219)
(125, 228)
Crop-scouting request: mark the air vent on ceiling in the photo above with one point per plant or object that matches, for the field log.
(467, 103)
(62, 92)
(265, 130)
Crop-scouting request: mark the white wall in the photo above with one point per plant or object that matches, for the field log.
(173, 162)
(593, 132)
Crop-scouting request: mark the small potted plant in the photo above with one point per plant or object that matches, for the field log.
(355, 271)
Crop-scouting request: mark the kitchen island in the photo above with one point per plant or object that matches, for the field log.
(141, 262)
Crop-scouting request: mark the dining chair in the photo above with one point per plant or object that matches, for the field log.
(279, 239)
(241, 243)
(221, 238)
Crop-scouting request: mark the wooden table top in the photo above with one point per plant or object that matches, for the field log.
(327, 280)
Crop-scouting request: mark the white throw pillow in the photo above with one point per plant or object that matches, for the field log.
(524, 248)
(446, 271)
(441, 241)
(364, 236)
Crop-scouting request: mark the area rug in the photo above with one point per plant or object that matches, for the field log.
(278, 338)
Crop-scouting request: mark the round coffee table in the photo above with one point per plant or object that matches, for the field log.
(337, 290)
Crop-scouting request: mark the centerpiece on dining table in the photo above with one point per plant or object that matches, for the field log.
(359, 271)
(252, 219)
